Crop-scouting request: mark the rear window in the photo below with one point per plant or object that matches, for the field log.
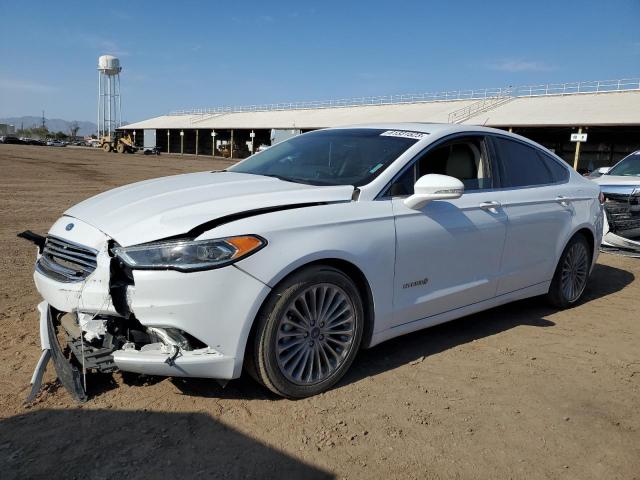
(559, 172)
(523, 166)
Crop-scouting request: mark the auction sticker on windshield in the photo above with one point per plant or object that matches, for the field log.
(404, 134)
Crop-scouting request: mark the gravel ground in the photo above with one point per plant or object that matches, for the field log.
(520, 391)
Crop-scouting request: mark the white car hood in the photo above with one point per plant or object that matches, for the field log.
(168, 206)
(617, 180)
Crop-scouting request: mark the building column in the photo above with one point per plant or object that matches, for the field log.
(197, 142)
(213, 143)
(168, 138)
(231, 146)
(181, 142)
(576, 158)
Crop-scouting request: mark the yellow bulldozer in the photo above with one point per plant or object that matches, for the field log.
(121, 143)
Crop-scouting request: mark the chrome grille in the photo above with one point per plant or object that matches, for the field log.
(66, 261)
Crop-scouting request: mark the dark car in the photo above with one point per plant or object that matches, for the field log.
(13, 140)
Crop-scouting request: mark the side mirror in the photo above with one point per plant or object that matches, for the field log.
(434, 187)
(603, 170)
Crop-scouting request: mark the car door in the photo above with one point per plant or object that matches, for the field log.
(447, 253)
(535, 197)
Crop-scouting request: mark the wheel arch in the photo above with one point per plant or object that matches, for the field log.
(587, 232)
(350, 270)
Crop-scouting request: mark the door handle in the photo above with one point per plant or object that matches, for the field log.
(562, 200)
(492, 206)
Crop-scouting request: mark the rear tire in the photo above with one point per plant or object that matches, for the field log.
(307, 333)
(572, 273)
(121, 148)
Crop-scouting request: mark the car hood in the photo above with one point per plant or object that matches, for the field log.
(165, 207)
(618, 185)
(617, 180)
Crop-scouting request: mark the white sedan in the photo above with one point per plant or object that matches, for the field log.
(620, 186)
(294, 259)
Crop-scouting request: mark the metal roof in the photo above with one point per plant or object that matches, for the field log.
(551, 108)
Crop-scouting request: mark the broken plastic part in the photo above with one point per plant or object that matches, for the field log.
(38, 240)
(93, 329)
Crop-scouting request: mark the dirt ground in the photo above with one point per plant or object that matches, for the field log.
(521, 391)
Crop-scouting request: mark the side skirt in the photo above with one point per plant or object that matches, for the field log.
(532, 291)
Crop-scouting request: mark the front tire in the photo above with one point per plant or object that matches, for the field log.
(572, 273)
(308, 333)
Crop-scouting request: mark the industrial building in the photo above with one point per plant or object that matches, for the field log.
(6, 129)
(589, 124)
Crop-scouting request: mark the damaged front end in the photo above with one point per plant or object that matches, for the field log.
(87, 323)
(622, 214)
(78, 343)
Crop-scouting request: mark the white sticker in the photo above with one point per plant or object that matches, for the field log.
(404, 134)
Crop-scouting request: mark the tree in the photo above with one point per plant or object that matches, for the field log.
(73, 129)
(39, 132)
(61, 136)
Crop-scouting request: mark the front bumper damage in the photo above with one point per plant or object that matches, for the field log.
(68, 374)
(73, 356)
(622, 220)
(159, 322)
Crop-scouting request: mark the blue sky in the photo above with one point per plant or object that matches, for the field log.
(184, 54)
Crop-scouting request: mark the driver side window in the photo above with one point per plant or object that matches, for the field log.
(464, 158)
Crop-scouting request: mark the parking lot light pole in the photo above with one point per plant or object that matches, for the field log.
(213, 143)
(576, 158)
(181, 142)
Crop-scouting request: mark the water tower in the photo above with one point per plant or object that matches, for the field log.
(109, 105)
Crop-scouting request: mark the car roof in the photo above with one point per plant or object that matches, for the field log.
(425, 127)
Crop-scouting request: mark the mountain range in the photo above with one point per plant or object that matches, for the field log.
(53, 124)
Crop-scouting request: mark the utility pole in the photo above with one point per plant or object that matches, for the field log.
(43, 123)
(576, 158)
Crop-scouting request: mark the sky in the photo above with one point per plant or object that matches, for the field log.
(192, 54)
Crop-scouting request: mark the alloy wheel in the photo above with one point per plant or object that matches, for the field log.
(573, 279)
(315, 334)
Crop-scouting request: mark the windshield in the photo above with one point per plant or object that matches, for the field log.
(352, 156)
(628, 166)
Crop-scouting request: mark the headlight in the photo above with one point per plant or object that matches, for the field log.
(189, 255)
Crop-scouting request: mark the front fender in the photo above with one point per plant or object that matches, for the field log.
(361, 233)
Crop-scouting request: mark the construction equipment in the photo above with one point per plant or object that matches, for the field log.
(118, 142)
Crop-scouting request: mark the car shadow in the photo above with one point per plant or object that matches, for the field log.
(97, 444)
(605, 280)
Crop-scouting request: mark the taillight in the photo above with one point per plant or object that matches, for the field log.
(601, 198)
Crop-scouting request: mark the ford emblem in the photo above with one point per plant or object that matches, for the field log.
(69, 227)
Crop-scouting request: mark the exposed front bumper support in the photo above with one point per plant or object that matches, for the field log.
(68, 374)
